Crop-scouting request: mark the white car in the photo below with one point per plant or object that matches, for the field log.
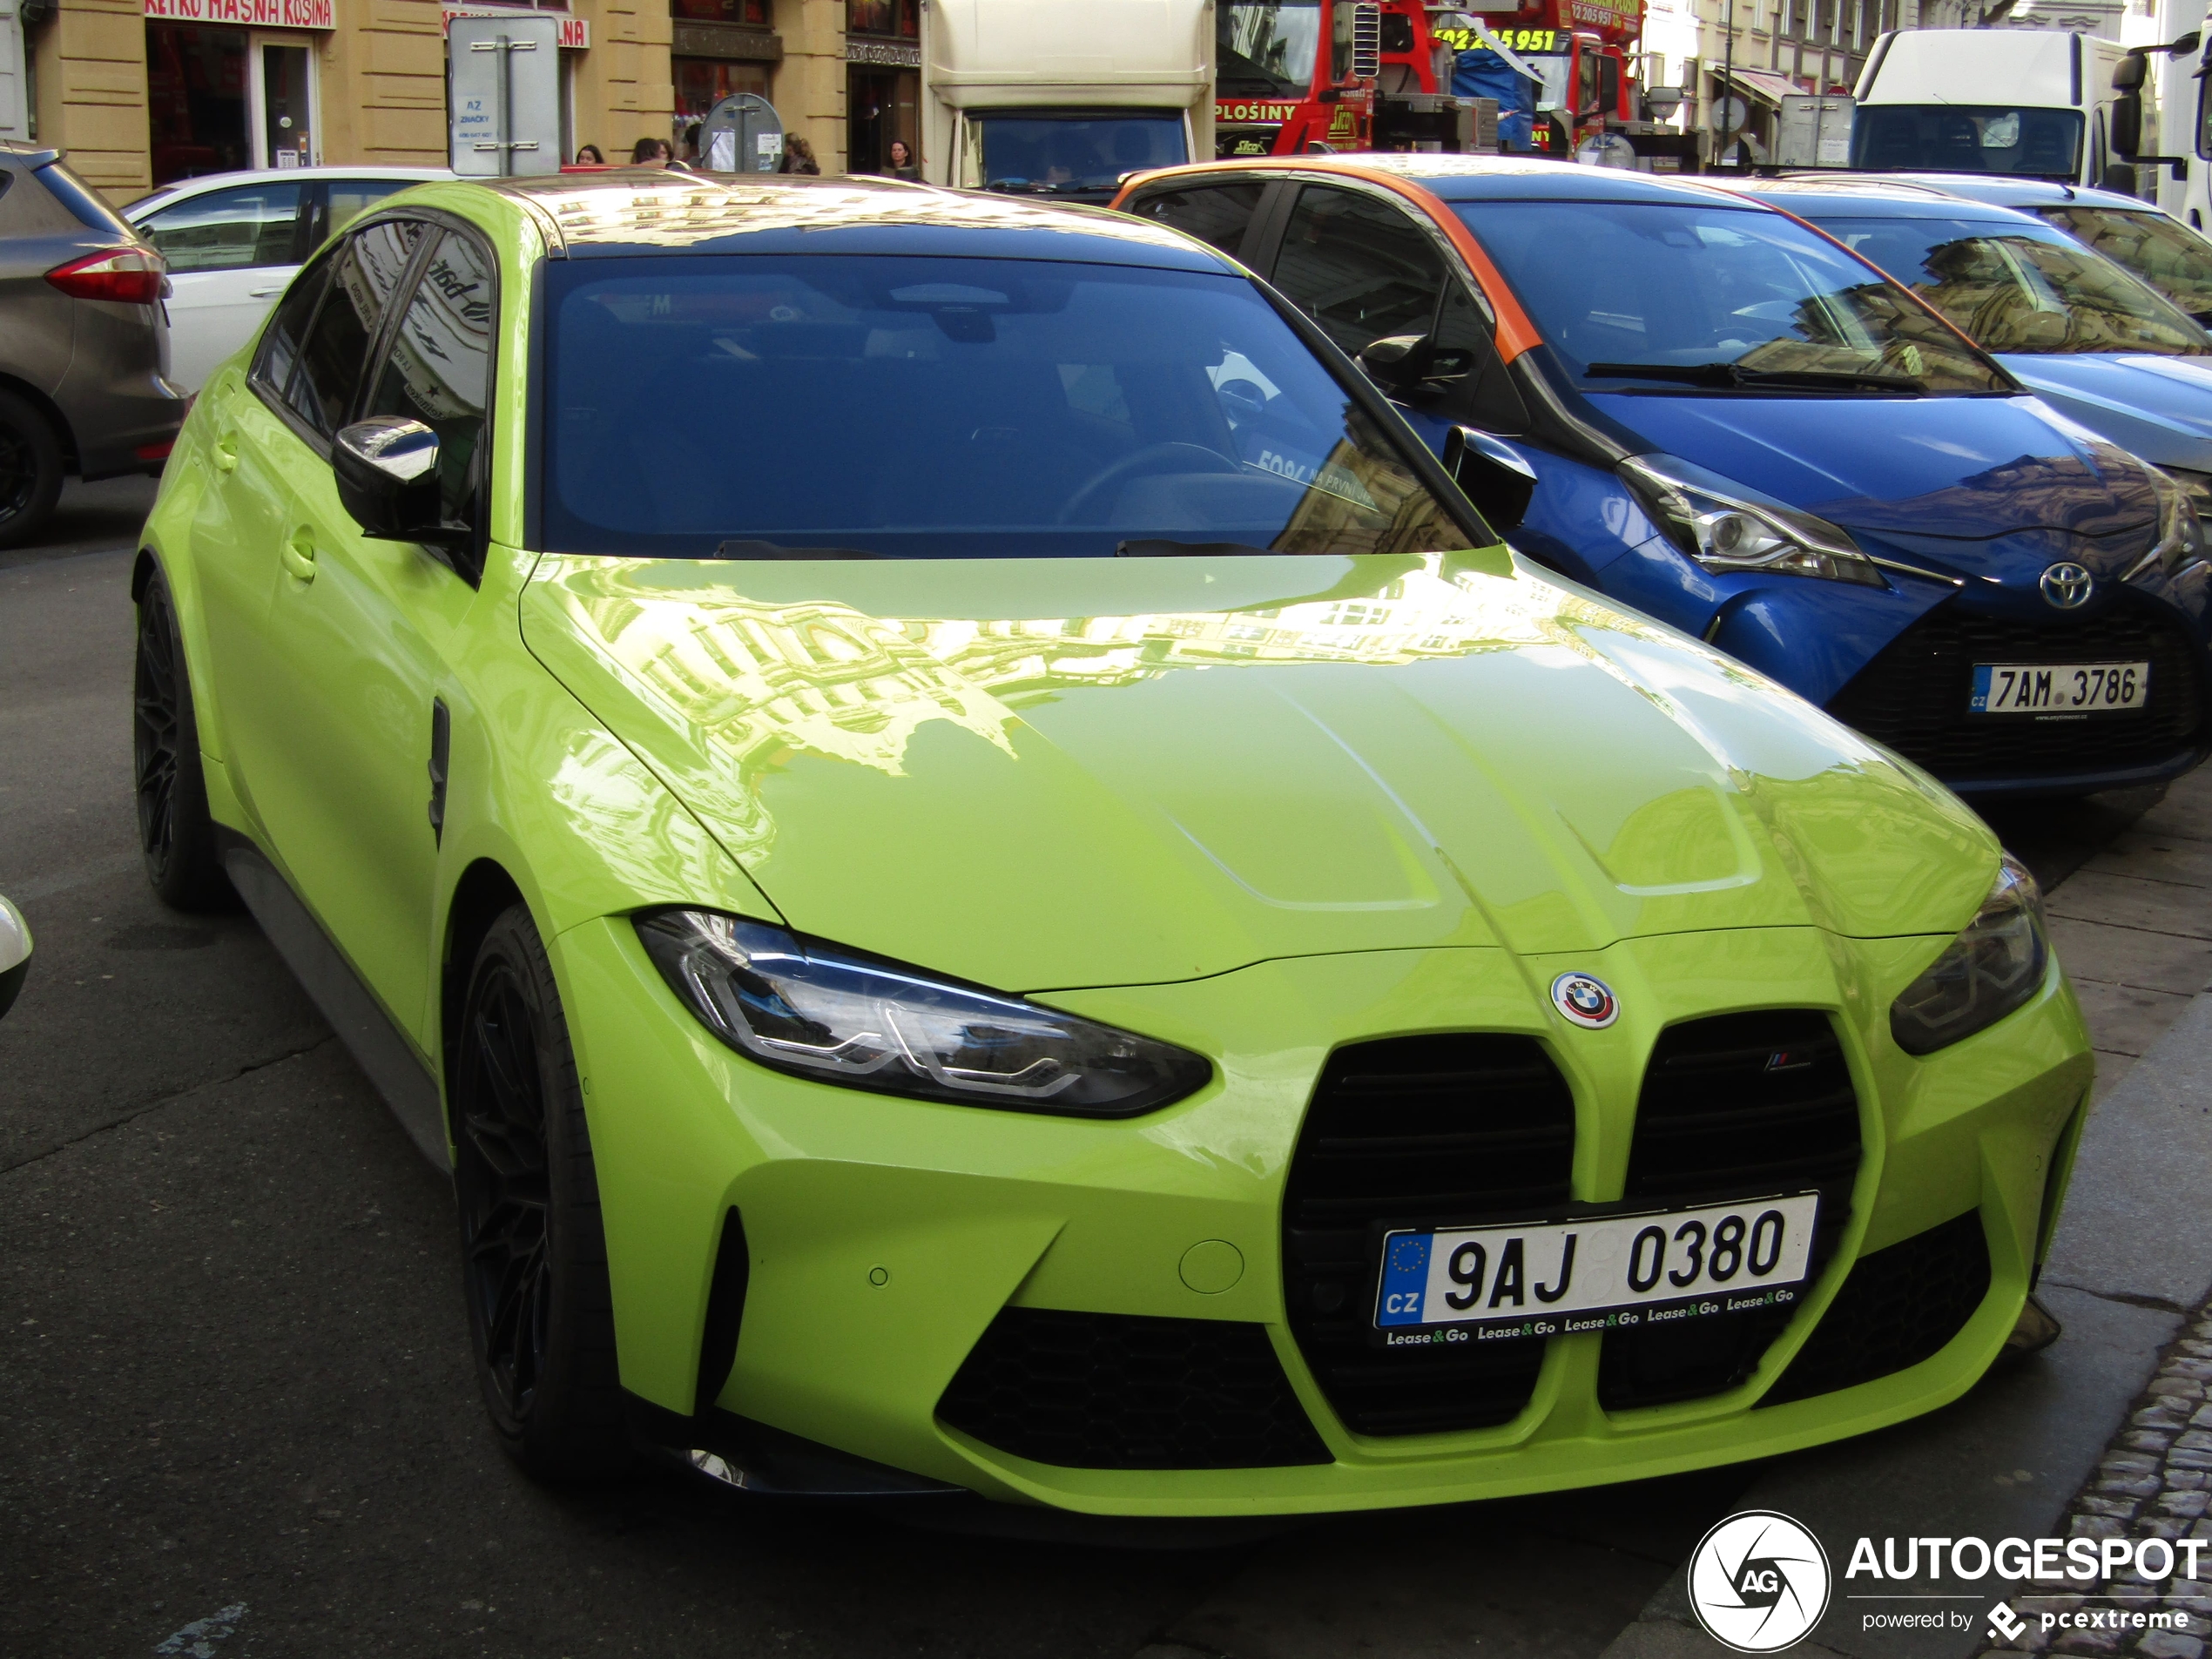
(233, 239)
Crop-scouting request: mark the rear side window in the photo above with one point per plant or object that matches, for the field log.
(1217, 215)
(1360, 268)
(336, 352)
(84, 207)
(439, 371)
(280, 344)
(229, 230)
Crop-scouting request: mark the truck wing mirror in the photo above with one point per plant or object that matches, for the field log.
(1491, 474)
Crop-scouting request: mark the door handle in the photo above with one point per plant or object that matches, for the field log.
(264, 294)
(225, 450)
(298, 557)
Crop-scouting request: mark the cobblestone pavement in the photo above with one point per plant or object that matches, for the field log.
(2153, 1483)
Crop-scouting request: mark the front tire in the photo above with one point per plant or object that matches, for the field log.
(533, 1257)
(175, 833)
(30, 470)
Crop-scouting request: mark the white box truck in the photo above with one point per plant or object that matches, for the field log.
(1056, 99)
(2031, 103)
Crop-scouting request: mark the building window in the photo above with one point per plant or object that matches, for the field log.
(759, 13)
(901, 19)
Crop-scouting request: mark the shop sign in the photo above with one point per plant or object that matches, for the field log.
(1598, 14)
(250, 14)
(575, 32)
(890, 53)
(1243, 110)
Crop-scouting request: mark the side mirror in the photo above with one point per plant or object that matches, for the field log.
(14, 953)
(2121, 178)
(1398, 363)
(2127, 124)
(1490, 474)
(387, 472)
(2129, 73)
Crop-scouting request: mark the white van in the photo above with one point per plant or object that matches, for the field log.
(2032, 103)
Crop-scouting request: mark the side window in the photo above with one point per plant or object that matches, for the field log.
(347, 199)
(1360, 268)
(229, 230)
(439, 371)
(1217, 215)
(280, 343)
(336, 350)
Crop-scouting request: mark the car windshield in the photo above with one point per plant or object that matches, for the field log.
(1959, 137)
(2166, 253)
(1660, 292)
(759, 406)
(1266, 47)
(1058, 156)
(2035, 291)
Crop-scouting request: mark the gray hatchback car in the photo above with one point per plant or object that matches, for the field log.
(83, 343)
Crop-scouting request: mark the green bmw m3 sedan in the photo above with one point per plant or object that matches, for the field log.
(990, 881)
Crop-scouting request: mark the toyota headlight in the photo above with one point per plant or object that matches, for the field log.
(2184, 499)
(1991, 969)
(838, 1017)
(1727, 527)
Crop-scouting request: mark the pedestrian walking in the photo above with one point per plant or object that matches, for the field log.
(652, 153)
(798, 157)
(589, 156)
(903, 165)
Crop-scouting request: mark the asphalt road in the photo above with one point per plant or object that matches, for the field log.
(236, 1411)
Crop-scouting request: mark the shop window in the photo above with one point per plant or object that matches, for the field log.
(759, 13)
(196, 100)
(900, 18)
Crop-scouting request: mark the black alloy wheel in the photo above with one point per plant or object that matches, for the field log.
(534, 1260)
(176, 833)
(30, 470)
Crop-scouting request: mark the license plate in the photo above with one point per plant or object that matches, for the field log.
(1597, 1273)
(2058, 688)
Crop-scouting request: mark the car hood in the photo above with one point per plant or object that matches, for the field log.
(2158, 408)
(1041, 774)
(1960, 467)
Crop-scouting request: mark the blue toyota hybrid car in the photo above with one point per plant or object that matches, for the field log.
(1703, 407)
(2088, 337)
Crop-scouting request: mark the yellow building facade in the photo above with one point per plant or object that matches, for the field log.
(139, 92)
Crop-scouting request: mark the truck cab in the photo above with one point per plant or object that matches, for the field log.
(2028, 102)
(1037, 98)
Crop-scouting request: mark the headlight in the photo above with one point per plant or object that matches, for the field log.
(838, 1017)
(1725, 527)
(1989, 970)
(2184, 498)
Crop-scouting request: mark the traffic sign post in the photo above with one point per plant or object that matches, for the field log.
(505, 87)
(743, 133)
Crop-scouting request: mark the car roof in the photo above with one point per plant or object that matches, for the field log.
(1456, 178)
(1815, 199)
(640, 211)
(179, 188)
(2027, 192)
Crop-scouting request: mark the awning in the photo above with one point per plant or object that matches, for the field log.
(1768, 88)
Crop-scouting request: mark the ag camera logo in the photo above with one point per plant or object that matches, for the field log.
(1758, 1582)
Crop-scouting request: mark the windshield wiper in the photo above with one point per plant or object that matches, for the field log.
(1736, 375)
(778, 550)
(1161, 548)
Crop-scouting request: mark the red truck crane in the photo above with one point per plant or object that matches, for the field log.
(1292, 77)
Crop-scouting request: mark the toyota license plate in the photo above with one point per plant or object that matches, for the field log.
(2058, 688)
(1595, 1273)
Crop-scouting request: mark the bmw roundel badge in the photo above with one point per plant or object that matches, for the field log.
(1585, 1000)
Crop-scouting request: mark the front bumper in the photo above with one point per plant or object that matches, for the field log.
(886, 1236)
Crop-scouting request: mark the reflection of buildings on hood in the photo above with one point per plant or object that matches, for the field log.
(2104, 494)
(764, 682)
